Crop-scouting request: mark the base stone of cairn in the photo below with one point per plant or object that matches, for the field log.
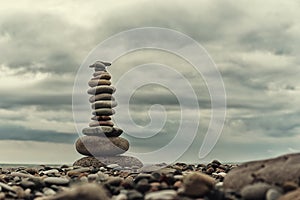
(101, 143)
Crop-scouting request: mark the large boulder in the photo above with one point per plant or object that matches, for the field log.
(275, 171)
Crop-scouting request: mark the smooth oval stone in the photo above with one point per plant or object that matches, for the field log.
(273, 194)
(56, 180)
(104, 111)
(103, 75)
(101, 118)
(104, 96)
(103, 131)
(163, 194)
(20, 174)
(104, 104)
(123, 161)
(256, 191)
(101, 89)
(197, 184)
(101, 123)
(93, 83)
(101, 146)
(77, 172)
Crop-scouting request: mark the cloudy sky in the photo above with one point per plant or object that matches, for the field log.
(255, 46)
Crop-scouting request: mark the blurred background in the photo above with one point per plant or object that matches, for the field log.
(254, 44)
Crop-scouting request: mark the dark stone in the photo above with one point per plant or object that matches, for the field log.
(88, 162)
(101, 118)
(101, 123)
(274, 171)
(124, 161)
(294, 195)
(104, 112)
(143, 186)
(289, 186)
(103, 131)
(104, 104)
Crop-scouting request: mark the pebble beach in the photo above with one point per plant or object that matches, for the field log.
(114, 182)
(212, 181)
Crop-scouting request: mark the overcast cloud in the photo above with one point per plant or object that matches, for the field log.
(254, 44)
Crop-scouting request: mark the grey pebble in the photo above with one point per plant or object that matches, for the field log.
(273, 194)
(51, 171)
(23, 175)
(78, 171)
(92, 177)
(6, 187)
(48, 191)
(112, 166)
(255, 191)
(84, 179)
(133, 195)
(162, 195)
(102, 176)
(57, 180)
(16, 179)
(27, 184)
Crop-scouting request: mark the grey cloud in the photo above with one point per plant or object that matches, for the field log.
(21, 133)
(43, 101)
(40, 42)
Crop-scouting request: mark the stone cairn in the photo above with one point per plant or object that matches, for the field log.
(101, 143)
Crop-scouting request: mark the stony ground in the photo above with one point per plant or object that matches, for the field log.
(153, 182)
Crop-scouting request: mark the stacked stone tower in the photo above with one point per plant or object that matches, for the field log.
(101, 143)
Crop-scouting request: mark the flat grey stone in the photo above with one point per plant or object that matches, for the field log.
(162, 195)
(95, 82)
(104, 96)
(57, 180)
(123, 161)
(104, 104)
(101, 89)
(103, 131)
(101, 123)
(101, 146)
(101, 118)
(104, 111)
